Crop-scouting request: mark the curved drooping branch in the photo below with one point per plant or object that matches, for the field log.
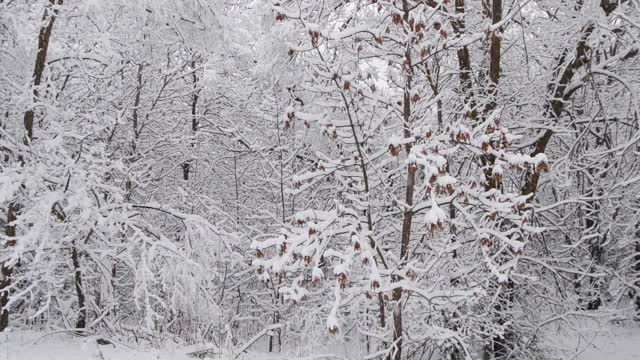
(567, 68)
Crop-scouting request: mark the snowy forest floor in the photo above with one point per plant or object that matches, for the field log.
(617, 343)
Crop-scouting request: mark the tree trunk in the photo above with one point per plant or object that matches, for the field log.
(186, 166)
(134, 125)
(567, 67)
(136, 105)
(596, 252)
(44, 36)
(464, 62)
(365, 178)
(500, 346)
(408, 211)
(636, 269)
(7, 271)
(81, 322)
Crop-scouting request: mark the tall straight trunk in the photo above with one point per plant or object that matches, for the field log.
(464, 62)
(636, 269)
(194, 102)
(81, 322)
(283, 217)
(498, 347)
(134, 124)
(49, 17)
(593, 224)
(186, 166)
(6, 271)
(470, 112)
(44, 36)
(135, 116)
(596, 251)
(494, 52)
(464, 67)
(409, 189)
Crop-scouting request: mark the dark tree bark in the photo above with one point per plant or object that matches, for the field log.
(409, 189)
(49, 17)
(81, 322)
(135, 127)
(567, 67)
(636, 269)
(7, 271)
(569, 63)
(136, 105)
(44, 37)
(499, 347)
(186, 166)
(464, 62)
(494, 55)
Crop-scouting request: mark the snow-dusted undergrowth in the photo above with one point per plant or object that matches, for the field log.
(618, 342)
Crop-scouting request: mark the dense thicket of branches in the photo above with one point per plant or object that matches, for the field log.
(417, 178)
